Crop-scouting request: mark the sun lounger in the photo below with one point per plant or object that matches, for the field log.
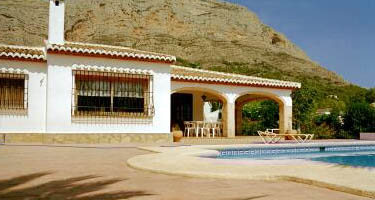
(272, 138)
(268, 137)
(301, 138)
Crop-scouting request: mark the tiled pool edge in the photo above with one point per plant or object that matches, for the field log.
(291, 145)
(172, 161)
(301, 152)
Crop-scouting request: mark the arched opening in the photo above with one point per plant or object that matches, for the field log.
(196, 104)
(258, 112)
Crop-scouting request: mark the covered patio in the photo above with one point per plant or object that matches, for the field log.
(194, 89)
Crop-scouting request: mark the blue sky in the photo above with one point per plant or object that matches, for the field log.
(338, 34)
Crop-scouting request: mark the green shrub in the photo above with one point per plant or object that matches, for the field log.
(259, 115)
(359, 117)
(250, 128)
(323, 131)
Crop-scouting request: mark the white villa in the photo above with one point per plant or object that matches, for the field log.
(68, 92)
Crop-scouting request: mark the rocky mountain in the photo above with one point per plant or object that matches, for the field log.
(201, 33)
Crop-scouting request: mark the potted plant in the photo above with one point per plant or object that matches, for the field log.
(177, 133)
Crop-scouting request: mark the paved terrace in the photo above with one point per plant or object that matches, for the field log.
(184, 161)
(79, 172)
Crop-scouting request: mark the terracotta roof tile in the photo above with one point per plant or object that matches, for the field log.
(190, 74)
(110, 51)
(21, 52)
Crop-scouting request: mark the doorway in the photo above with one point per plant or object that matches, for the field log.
(181, 109)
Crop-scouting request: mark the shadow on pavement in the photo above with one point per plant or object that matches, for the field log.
(76, 188)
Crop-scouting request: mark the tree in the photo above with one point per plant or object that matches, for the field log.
(251, 111)
(360, 116)
(260, 115)
(304, 106)
(270, 114)
(370, 96)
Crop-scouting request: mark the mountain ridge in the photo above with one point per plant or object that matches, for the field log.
(206, 34)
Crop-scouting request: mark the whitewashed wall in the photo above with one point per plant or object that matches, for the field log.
(34, 120)
(59, 95)
(230, 93)
(49, 107)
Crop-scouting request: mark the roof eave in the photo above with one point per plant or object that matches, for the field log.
(54, 51)
(22, 59)
(236, 84)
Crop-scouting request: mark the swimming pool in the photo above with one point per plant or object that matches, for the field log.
(352, 155)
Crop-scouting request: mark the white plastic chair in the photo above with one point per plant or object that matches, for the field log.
(189, 127)
(205, 129)
(216, 128)
(200, 127)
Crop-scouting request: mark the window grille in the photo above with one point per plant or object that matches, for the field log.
(13, 92)
(112, 97)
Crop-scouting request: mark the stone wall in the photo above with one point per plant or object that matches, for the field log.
(85, 138)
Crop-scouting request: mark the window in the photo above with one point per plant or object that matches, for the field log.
(107, 94)
(13, 91)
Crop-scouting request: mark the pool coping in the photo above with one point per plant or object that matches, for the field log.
(184, 161)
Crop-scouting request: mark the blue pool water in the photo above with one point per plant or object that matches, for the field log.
(367, 160)
(359, 155)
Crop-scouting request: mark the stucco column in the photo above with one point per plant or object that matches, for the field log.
(285, 118)
(230, 120)
(239, 119)
(197, 106)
